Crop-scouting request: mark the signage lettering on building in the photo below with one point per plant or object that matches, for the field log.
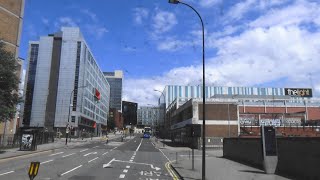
(298, 92)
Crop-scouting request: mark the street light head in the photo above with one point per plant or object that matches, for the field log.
(173, 1)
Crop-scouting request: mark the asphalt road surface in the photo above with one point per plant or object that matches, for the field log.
(135, 158)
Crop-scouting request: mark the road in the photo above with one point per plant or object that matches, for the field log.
(135, 158)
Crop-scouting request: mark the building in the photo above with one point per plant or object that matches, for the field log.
(149, 116)
(115, 81)
(65, 85)
(11, 15)
(129, 113)
(116, 118)
(230, 115)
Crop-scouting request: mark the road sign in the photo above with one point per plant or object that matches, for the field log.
(33, 170)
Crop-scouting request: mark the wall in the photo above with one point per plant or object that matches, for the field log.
(298, 157)
(245, 150)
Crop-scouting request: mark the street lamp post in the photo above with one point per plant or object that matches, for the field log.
(203, 91)
(164, 109)
(67, 132)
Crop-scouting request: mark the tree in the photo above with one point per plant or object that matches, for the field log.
(9, 83)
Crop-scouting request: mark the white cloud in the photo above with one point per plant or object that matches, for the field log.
(65, 21)
(171, 44)
(300, 12)
(240, 9)
(92, 15)
(209, 3)
(140, 14)
(45, 21)
(163, 21)
(256, 56)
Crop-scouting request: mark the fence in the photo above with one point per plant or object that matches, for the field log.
(13, 140)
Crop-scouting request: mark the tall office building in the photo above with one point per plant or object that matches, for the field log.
(65, 85)
(11, 16)
(149, 116)
(115, 80)
(129, 113)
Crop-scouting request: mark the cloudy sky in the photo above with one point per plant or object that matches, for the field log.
(264, 43)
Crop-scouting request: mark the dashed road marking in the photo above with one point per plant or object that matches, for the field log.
(68, 155)
(46, 161)
(71, 170)
(122, 176)
(56, 154)
(125, 170)
(90, 153)
(95, 146)
(93, 159)
(127, 167)
(84, 150)
(139, 145)
(6, 173)
(105, 153)
(131, 160)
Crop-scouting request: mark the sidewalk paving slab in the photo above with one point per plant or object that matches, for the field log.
(218, 168)
(57, 144)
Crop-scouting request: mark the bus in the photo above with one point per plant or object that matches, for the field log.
(147, 132)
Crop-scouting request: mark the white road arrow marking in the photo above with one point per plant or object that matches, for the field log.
(131, 162)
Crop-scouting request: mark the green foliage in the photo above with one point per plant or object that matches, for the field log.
(9, 83)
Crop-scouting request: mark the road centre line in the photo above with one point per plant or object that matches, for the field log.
(46, 161)
(56, 153)
(6, 173)
(84, 150)
(71, 170)
(95, 146)
(93, 159)
(127, 167)
(68, 155)
(139, 145)
(125, 170)
(105, 153)
(131, 160)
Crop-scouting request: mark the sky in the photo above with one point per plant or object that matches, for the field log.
(263, 43)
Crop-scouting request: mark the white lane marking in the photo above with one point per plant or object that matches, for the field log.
(56, 153)
(131, 160)
(135, 141)
(95, 146)
(69, 155)
(90, 153)
(164, 155)
(127, 167)
(84, 150)
(46, 161)
(151, 165)
(71, 170)
(109, 163)
(93, 159)
(125, 170)
(6, 173)
(122, 176)
(152, 144)
(139, 145)
(105, 153)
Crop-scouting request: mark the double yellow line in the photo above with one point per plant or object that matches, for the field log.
(171, 172)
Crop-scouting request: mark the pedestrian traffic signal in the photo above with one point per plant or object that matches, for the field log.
(33, 170)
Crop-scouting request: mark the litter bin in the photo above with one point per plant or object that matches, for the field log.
(28, 140)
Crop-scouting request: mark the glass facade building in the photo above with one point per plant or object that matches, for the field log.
(115, 81)
(65, 85)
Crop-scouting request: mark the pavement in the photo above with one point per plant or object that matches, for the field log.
(57, 144)
(135, 158)
(217, 167)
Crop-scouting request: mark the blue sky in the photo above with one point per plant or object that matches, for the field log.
(269, 43)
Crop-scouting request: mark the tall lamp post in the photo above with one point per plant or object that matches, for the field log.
(203, 91)
(164, 109)
(70, 105)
